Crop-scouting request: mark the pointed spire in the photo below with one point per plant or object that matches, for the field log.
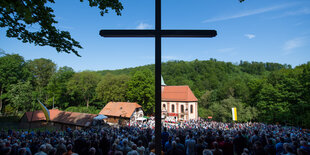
(162, 81)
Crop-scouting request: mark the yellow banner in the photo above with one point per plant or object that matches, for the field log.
(45, 111)
(234, 114)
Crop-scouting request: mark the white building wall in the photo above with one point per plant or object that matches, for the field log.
(186, 105)
(136, 114)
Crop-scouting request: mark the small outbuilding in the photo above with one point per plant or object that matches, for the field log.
(122, 112)
(58, 118)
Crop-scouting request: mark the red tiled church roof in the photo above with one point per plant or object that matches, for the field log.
(177, 93)
(124, 109)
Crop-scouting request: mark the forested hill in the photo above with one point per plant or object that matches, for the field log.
(265, 92)
(205, 75)
(268, 92)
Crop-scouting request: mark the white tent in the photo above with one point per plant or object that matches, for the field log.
(140, 119)
(100, 117)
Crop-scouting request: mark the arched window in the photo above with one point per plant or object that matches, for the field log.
(164, 105)
(191, 109)
(182, 108)
(172, 108)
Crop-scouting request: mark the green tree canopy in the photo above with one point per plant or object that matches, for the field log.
(141, 89)
(112, 88)
(20, 96)
(12, 70)
(41, 71)
(19, 16)
(221, 111)
(83, 85)
(57, 87)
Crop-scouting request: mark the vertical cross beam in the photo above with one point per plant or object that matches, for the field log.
(158, 77)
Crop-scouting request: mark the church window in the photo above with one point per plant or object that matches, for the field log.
(182, 108)
(172, 108)
(191, 108)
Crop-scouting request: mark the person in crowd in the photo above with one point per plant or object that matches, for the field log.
(133, 151)
(199, 146)
(164, 137)
(180, 146)
(190, 144)
(140, 147)
(69, 150)
(126, 148)
(92, 151)
(52, 151)
(174, 149)
(207, 152)
(216, 150)
(279, 146)
(61, 147)
(258, 148)
(305, 146)
(41, 150)
(270, 147)
(245, 151)
(239, 143)
(168, 144)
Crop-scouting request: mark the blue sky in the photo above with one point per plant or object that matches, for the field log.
(256, 30)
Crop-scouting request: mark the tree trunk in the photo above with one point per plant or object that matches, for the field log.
(87, 103)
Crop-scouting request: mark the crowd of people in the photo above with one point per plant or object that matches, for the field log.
(188, 138)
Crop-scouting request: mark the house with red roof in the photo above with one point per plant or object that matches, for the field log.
(122, 111)
(58, 118)
(178, 103)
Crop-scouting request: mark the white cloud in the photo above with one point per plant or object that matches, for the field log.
(247, 13)
(170, 58)
(250, 36)
(304, 11)
(142, 26)
(293, 44)
(225, 50)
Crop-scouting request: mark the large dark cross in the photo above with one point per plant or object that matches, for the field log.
(158, 33)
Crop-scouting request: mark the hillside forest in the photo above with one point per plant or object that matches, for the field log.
(263, 92)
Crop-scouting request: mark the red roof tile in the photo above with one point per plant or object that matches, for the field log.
(74, 118)
(37, 116)
(125, 109)
(177, 93)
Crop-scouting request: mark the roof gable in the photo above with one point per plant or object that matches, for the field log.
(177, 93)
(124, 109)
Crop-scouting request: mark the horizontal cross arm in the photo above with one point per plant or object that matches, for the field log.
(127, 33)
(162, 33)
(189, 33)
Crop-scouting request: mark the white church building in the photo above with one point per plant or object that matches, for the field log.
(178, 103)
